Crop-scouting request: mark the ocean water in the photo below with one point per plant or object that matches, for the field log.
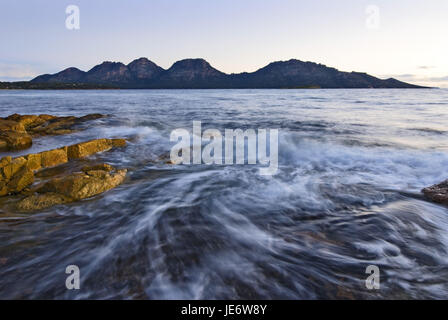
(346, 196)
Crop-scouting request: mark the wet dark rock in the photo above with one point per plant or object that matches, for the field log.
(437, 193)
(102, 166)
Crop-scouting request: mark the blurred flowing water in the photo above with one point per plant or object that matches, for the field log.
(347, 195)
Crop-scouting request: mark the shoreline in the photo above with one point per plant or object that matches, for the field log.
(75, 89)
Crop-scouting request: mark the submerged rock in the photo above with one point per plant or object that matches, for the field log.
(437, 193)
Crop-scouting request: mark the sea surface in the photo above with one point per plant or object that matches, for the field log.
(346, 196)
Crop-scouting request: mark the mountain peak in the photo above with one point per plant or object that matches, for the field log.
(69, 75)
(192, 63)
(71, 69)
(143, 68)
(106, 65)
(140, 60)
(108, 72)
(192, 73)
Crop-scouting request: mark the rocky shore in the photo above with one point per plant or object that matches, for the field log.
(41, 180)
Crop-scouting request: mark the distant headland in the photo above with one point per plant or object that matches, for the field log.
(199, 74)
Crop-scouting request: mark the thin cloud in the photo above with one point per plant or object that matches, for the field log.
(16, 72)
(439, 78)
(426, 67)
(402, 76)
(441, 82)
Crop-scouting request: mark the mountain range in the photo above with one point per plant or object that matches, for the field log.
(199, 74)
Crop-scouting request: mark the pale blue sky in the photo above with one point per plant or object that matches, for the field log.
(410, 43)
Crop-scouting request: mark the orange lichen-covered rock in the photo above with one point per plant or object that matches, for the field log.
(85, 149)
(53, 158)
(79, 186)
